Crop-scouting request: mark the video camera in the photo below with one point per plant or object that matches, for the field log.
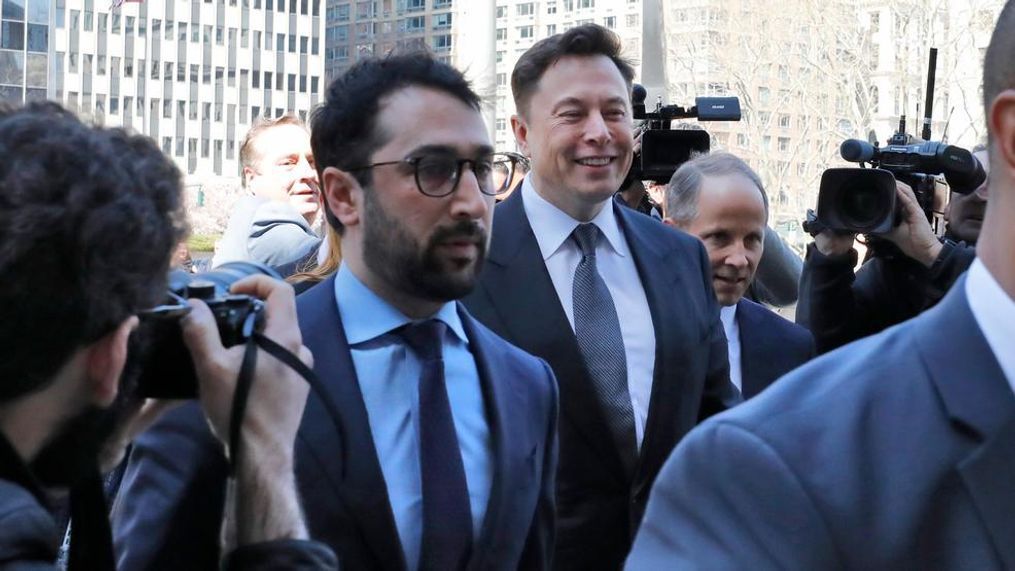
(663, 149)
(166, 364)
(863, 201)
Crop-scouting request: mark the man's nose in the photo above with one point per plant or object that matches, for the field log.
(468, 202)
(596, 130)
(737, 257)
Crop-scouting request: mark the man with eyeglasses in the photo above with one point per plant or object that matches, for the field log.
(435, 445)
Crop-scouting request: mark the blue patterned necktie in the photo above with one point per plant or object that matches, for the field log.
(447, 518)
(597, 328)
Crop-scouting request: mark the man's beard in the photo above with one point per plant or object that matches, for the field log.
(73, 451)
(396, 256)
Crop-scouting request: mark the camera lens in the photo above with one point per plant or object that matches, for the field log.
(864, 207)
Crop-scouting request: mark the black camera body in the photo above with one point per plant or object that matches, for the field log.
(167, 370)
(863, 201)
(663, 150)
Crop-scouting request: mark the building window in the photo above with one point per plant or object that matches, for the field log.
(442, 43)
(784, 144)
(525, 9)
(610, 22)
(502, 11)
(551, 29)
(501, 33)
(441, 21)
(551, 7)
(525, 32)
(633, 20)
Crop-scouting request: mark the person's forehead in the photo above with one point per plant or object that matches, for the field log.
(591, 75)
(734, 190)
(415, 117)
(282, 140)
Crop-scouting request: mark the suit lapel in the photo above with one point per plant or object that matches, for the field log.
(352, 466)
(528, 305)
(978, 399)
(757, 353)
(669, 311)
(495, 397)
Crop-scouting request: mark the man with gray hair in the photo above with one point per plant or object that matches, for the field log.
(721, 200)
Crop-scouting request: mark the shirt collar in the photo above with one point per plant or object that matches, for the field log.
(994, 312)
(365, 316)
(552, 226)
(728, 315)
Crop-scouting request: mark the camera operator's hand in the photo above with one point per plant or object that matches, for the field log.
(834, 244)
(914, 236)
(267, 507)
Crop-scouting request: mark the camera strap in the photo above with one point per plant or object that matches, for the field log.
(91, 539)
(246, 379)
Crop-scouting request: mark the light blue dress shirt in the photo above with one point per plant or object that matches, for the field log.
(388, 374)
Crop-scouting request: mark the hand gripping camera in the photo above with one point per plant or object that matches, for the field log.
(167, 370)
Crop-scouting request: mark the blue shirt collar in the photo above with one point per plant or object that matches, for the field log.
(365, 316)
(552, 226)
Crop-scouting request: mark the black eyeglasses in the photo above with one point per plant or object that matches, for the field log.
(438, 175)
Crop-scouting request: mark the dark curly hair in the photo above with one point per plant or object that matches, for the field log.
(343, 130)
(88, 221)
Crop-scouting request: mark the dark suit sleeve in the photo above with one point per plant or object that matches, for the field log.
(539, 544)
(726, 500)
(289, 554)
(720, 393)
(168, 512)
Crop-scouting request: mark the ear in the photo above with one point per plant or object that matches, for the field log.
(106, 358)
(248, 174)
(521, 130)
(1002, 129)
(343, 195)
(669, 222)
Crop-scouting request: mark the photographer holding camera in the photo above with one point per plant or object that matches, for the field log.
(89, 218)
(839, 307)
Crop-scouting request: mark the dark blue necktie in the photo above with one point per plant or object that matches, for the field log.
(447, 519)
(597, 328)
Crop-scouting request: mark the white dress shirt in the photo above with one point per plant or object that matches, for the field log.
(553, 228)
(728, 315)
(994, 311)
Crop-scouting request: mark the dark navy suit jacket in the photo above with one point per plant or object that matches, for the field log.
(600, 498)
(174, 476)
(770, 346)
(894, 452)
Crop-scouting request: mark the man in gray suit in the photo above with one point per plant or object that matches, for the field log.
(894, 452)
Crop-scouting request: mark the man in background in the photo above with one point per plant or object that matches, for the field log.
(720, 199)
(274, 224)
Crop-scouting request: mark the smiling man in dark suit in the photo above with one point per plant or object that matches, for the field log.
(433, 446)
(893, 452)
(620, 305)
(721, 200)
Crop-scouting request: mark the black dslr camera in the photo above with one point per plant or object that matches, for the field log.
(167, 370)
(663, 150)
(863, 201)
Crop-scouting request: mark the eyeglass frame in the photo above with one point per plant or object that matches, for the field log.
(514, 158)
